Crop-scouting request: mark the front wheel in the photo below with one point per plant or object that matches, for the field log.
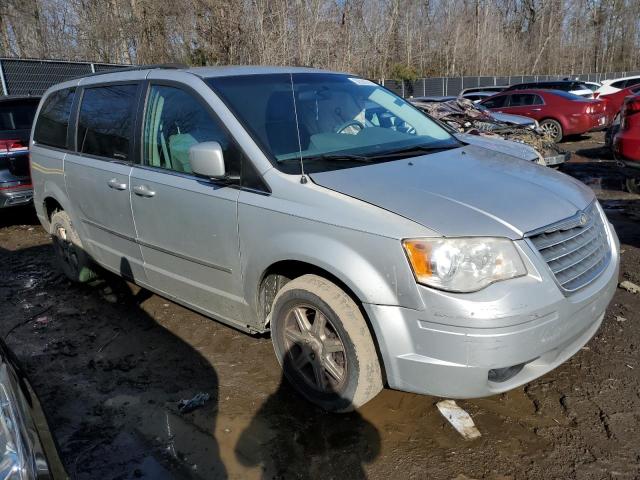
(552, 129)
(323, 344)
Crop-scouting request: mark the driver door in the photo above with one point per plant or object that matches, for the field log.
(187, 225)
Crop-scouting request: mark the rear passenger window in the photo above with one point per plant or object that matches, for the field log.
(618, 84)
(524, 99)
(631, 82)
(106, 121)
(495, 102)
(53, 120)
(174, 122)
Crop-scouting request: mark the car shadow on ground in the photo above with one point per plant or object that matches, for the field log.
(110, 377)
(25, 215)
(291, 438)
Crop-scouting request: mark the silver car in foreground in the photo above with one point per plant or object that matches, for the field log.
(375, 247)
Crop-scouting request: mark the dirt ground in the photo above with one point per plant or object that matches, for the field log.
(110, 363)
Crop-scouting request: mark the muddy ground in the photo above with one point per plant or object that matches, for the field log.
(110, 363)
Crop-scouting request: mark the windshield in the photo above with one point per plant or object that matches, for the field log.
(328, 120)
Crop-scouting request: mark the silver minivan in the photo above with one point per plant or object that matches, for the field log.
(377, 247)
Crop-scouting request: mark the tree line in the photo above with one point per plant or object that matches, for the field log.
(379, 39)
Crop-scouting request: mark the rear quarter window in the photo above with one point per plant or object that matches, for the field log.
(105, 121)
(53, 120)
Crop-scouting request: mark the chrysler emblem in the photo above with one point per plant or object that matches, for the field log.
(583, 219)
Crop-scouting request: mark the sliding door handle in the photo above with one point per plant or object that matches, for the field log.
(116, 185)
(143, 191)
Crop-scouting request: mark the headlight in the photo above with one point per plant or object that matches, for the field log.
(14, 462)
(463, 264)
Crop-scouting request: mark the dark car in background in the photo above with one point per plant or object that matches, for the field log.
(571, 86)
(16, 119)
(559, 113)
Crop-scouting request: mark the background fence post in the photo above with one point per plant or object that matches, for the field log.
(93, 68)
(3, 82)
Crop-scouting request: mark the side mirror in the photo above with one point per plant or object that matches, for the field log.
(206, 159)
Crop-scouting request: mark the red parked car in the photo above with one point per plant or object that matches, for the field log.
(559, 113)
(626, 143)
(616, 99)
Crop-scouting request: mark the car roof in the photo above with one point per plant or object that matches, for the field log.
(611, 80)
(136, 73)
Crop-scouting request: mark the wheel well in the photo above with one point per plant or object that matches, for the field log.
(278, 274)
(51, 206)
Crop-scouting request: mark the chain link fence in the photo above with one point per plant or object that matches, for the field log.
(33, 77)
(452, 86)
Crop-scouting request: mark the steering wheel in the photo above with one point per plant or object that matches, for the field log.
(350, 123)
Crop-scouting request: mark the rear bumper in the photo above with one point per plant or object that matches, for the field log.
(15, 195)
(523, 331)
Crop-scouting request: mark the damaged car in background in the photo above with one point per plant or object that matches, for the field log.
(511, 134)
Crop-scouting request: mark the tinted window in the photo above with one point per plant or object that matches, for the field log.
(524, 99)
(631, 82)
(53, 121)
(495, 102)
(106, 121)
(174, 122)
(618, 84)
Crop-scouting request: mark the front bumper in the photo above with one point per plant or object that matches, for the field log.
(525, 326)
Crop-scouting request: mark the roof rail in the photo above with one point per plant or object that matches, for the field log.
(168, 66)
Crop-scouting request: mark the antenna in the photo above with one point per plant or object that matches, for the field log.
(303, 178)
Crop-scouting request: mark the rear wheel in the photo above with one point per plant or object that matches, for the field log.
(73, 260)
(633, 185)
(552, 129)
(323, 344)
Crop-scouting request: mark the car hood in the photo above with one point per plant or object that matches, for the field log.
(467, 191)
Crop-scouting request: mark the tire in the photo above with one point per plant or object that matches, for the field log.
(552, 129)
(334, 363)
(633, 185)
(71, 257)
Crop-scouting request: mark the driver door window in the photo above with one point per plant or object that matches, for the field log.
(174, 122)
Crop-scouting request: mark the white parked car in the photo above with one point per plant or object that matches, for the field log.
(617, 84)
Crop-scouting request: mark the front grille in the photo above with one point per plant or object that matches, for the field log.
(576, 250)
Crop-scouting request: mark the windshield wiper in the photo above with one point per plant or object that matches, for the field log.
(337, 157)
(413, 151)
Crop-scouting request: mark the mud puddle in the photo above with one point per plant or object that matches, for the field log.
(110, 363)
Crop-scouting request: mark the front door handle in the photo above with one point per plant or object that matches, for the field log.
(536, 109)
(143, 191)
(116, 185)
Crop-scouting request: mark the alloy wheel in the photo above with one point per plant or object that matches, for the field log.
(551, 130)
(314, 349)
